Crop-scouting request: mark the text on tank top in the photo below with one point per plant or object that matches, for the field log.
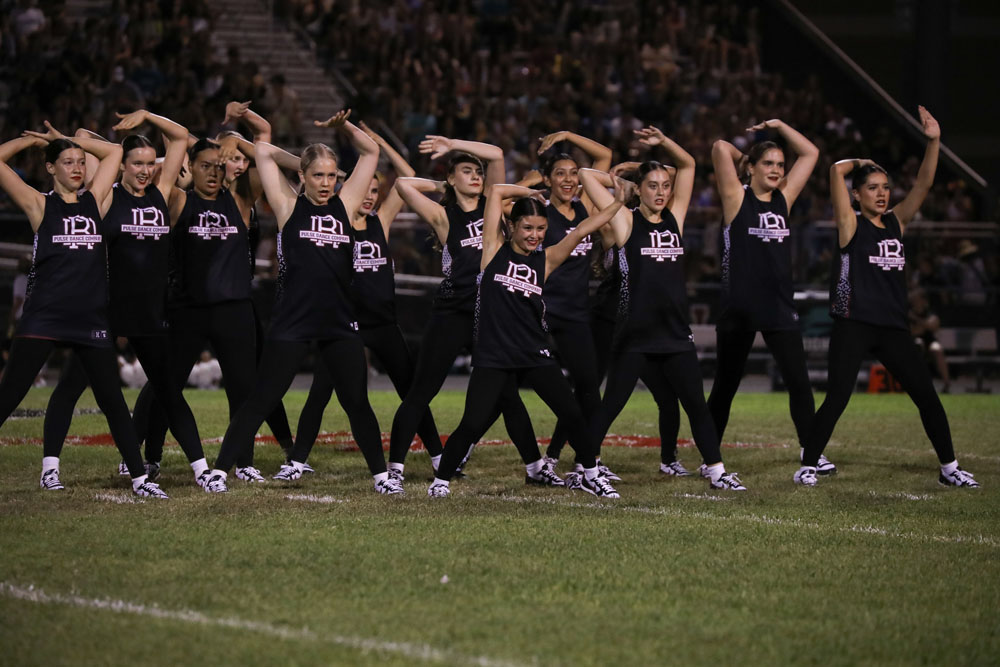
(374, 287)
(461, 257)
(567, 289)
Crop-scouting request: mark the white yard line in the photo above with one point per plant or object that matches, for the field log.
(309, 498)
(904, 496)
(615, 506)
(423, 652)
(118, 498)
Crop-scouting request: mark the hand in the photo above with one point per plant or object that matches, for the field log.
(36, 140)
(129, 121)
(551, 140)
(435, 145)
(623, 168)
(651, 136)
(931, 128)
(539, 196)
(772, 124)
(370, 132)
(336, 121)
(235, 110)
(623, 189)
(229, 147)
(47, 137)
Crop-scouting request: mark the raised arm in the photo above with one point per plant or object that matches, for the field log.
(492, 155)
(492, 235)
(109, 154)
(413, 192)
(27, 198)
(282, 201)
(806, 155)
(389, 208)
(595, 184)
(259, 126)
(840, 197)
(174, 137)
(352, 193)
(600, 155)
(556, 254)
(906, 209)
(725, 158)
(682, 175)
(92, 161)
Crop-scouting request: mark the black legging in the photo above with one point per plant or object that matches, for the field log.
(152, 421)
(850, 343)
(732, 350)
(27, 355)
(680, 373)
(493, 387)
(344, 360)
(390, 347)
(447, 334)
(577, 353)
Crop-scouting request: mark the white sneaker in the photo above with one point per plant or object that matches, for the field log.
(250, 474)
(703, 471)
(728, 482)
(390, 487)
(806, 476)
(550, 462)
(50, 480)
(123, 469)
(438, 490)
(823, 467)
(288, 473)
(215, 484)
(600, 486)
(573, 481)
(396, 475)
(152, 471)
(675, 469)
(605, 472)
(204, 477)
(958, 477)
(545, 477)
(150, 490)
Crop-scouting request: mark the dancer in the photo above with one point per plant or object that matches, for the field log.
(653, 332)
(313, 304)
(374, 295)
(458, 224)
(757, 272)
(868, 302)
(67, 288)
(511, 344)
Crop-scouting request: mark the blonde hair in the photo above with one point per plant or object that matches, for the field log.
(315, 152)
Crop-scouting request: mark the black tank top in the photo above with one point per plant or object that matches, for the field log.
(567, 289)
(757, 267)
(510, 313)
(138, 237)
(210, 252)
(315, 252)
(67, 295)
(868, 282)
(374, 288)
(460, 259)
(605, 303)
(654, 311)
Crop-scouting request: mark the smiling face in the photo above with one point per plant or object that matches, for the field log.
(655, 190)
(371, 198)
(528, 233)
(467, 179)
(873, 195)
(320, 179)
(139, 169)
(563, 180)
(207, 173)
(767, 173)
(69, 170)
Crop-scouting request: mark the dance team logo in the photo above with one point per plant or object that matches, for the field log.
(213, 225)
(519, 278)
(475, 230)
(890, 255)
(771, 226)
(147, 223)
(368, 256)
(79, 231)
(326, 231)
(663, 246)
(582, 248)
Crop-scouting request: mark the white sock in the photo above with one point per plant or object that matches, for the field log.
(591, 473)
(199, 466)
(534, 467)
(438, 480)
(949, 468)
(298, 466)
(138, 481)
(716, 470)
(381, 477)
(436, 461)
(398, 467)
(50, 462)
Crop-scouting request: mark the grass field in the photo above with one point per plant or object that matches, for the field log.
(878, 565)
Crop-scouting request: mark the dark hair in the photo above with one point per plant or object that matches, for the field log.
(522, 208)
(757, 150)
(133, 141)
(860, 175)
(549, 162)
(456, 159)
(648, 167)
(202, 145)
(56, 147)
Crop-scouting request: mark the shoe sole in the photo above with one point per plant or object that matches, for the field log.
(542, 482)
(826, 473)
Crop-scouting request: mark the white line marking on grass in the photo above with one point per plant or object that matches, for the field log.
(904, 496)
(406, 649)
(309, 498)
(611, 506)
(119, 498)
(700, 497)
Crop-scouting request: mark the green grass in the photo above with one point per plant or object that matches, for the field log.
(878, 565)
